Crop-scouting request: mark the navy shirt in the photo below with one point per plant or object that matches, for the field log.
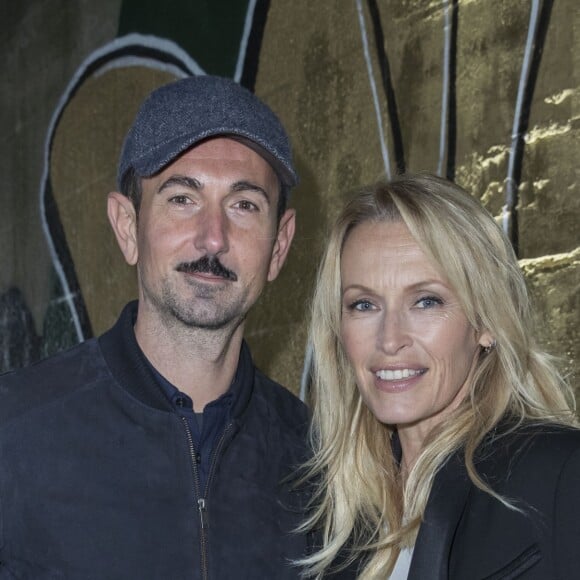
(207, 431)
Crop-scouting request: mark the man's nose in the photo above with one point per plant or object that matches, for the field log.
(211, 236)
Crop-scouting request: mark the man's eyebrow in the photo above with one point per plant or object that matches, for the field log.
(249, 186)
(183, 180)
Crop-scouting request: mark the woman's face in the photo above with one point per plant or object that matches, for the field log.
(405, 333)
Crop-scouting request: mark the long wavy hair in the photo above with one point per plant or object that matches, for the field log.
(362, 505)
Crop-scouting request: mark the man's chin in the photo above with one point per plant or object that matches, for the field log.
(207, 319)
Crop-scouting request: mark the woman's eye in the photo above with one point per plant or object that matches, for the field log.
(361, 305)
(429, 302)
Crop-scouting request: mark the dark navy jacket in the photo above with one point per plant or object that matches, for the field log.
(98, 478)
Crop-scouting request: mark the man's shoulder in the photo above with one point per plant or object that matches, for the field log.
(287, 406)
(50, 379)
(277, 392)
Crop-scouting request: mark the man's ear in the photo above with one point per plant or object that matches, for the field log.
(284, 238)
(123, 219)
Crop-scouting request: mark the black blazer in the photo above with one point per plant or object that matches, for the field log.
(469, 535)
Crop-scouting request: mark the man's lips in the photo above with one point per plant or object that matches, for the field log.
(205, 276)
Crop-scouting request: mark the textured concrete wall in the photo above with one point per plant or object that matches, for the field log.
(313, 62)
(313, 71)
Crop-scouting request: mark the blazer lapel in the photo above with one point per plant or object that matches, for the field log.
(444, 509)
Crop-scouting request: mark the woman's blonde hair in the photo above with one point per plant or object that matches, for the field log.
(361, 503)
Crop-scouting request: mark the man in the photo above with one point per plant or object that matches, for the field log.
(158, 451)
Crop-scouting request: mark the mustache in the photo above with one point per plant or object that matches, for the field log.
(208, 265)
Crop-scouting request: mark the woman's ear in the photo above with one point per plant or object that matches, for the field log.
(123, 219)
(487, 341)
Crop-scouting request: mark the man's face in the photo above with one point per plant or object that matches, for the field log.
(207, 237)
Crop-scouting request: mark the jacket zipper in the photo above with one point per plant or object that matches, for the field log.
(202, 501)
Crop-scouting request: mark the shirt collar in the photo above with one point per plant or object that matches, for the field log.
(179, 398)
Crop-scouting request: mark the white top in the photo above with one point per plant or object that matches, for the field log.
(402, 565)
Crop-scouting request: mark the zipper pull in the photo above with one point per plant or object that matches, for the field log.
(201, 506)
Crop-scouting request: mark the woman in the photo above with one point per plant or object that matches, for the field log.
(445, 440)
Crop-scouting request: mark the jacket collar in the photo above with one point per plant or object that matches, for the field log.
(445, 507)
(133, 372)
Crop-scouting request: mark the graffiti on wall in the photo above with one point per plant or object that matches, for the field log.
(97, 107)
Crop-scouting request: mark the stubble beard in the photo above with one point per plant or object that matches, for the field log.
(206, 307)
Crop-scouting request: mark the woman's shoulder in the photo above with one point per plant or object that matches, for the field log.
(534, 468)
(537, 433)
(532, 442)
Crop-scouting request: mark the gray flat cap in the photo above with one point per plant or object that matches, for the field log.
(180, 114)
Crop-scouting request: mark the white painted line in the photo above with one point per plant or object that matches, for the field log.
(161, 44)
(244, 41)
(363, 32)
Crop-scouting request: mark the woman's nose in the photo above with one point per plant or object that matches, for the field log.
(394, 333)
